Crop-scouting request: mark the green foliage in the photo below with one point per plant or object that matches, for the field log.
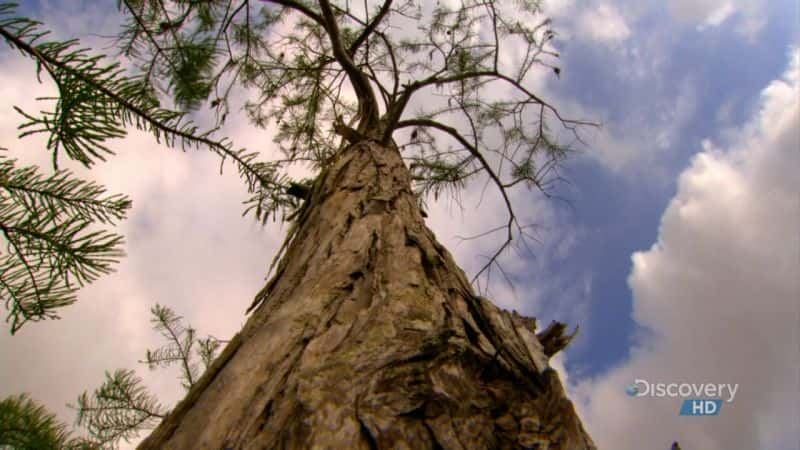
(180, 343)
(460, 76)
(53, 247)
(190, 80)
(312, 64)
(53, 241)
(122, 407)
(25, 425)
(96, 102)
(207, 349)
(437, 174)
(119, 409)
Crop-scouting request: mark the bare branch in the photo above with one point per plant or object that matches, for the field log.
(367, 104)
(370, 28)
(297, 6)
(485, 164)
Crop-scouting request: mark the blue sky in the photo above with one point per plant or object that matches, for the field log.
(675, 247)
(619, 211)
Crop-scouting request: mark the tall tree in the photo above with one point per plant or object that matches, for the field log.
(368, 335)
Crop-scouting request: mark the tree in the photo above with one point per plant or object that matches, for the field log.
(367, 335)
(25, 425)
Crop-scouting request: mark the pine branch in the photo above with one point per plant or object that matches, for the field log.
(119, 409)
(122, 407)
(60, 194)
(178, 349)
(53, 246)
(181, 339)
(96, 102)
(24, 424)
(207, 350)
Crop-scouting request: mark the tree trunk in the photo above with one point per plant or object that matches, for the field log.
(370, 337)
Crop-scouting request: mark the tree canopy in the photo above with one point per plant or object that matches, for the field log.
(453, 83)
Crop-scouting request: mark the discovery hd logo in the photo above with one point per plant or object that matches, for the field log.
(703, 399)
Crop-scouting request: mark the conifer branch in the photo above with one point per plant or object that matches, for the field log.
(122, 407)
(180, 340)
(25, 424)
(53, 246)
(97, 102)
(119, 409)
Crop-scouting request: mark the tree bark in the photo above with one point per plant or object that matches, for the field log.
(369, 336)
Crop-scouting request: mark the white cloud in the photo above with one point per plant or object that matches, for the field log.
(599, 21)
(717, 296)
(696, 10)
(720, 15)
(603, 23)
(748, 14)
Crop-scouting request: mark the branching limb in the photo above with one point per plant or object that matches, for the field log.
(473, 150)
(367, 104)
(119, 409)
(52, 244)
(97, 102)
(370, 28)
(122, 407)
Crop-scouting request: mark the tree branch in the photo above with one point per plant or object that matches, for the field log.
(370, 28)
(297, 6)
(47, 61)
(367, 104)
(473, 150)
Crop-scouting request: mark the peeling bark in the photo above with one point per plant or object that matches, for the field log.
(369, 336)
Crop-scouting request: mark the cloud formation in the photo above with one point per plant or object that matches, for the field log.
(748, 14)
(603, 23)
(716, 296)
(599, 21)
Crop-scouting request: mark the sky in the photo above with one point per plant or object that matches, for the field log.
(675, 243)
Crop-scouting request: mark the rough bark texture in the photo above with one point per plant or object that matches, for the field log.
(370, 337)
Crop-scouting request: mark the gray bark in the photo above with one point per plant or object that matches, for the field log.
(369, 336)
